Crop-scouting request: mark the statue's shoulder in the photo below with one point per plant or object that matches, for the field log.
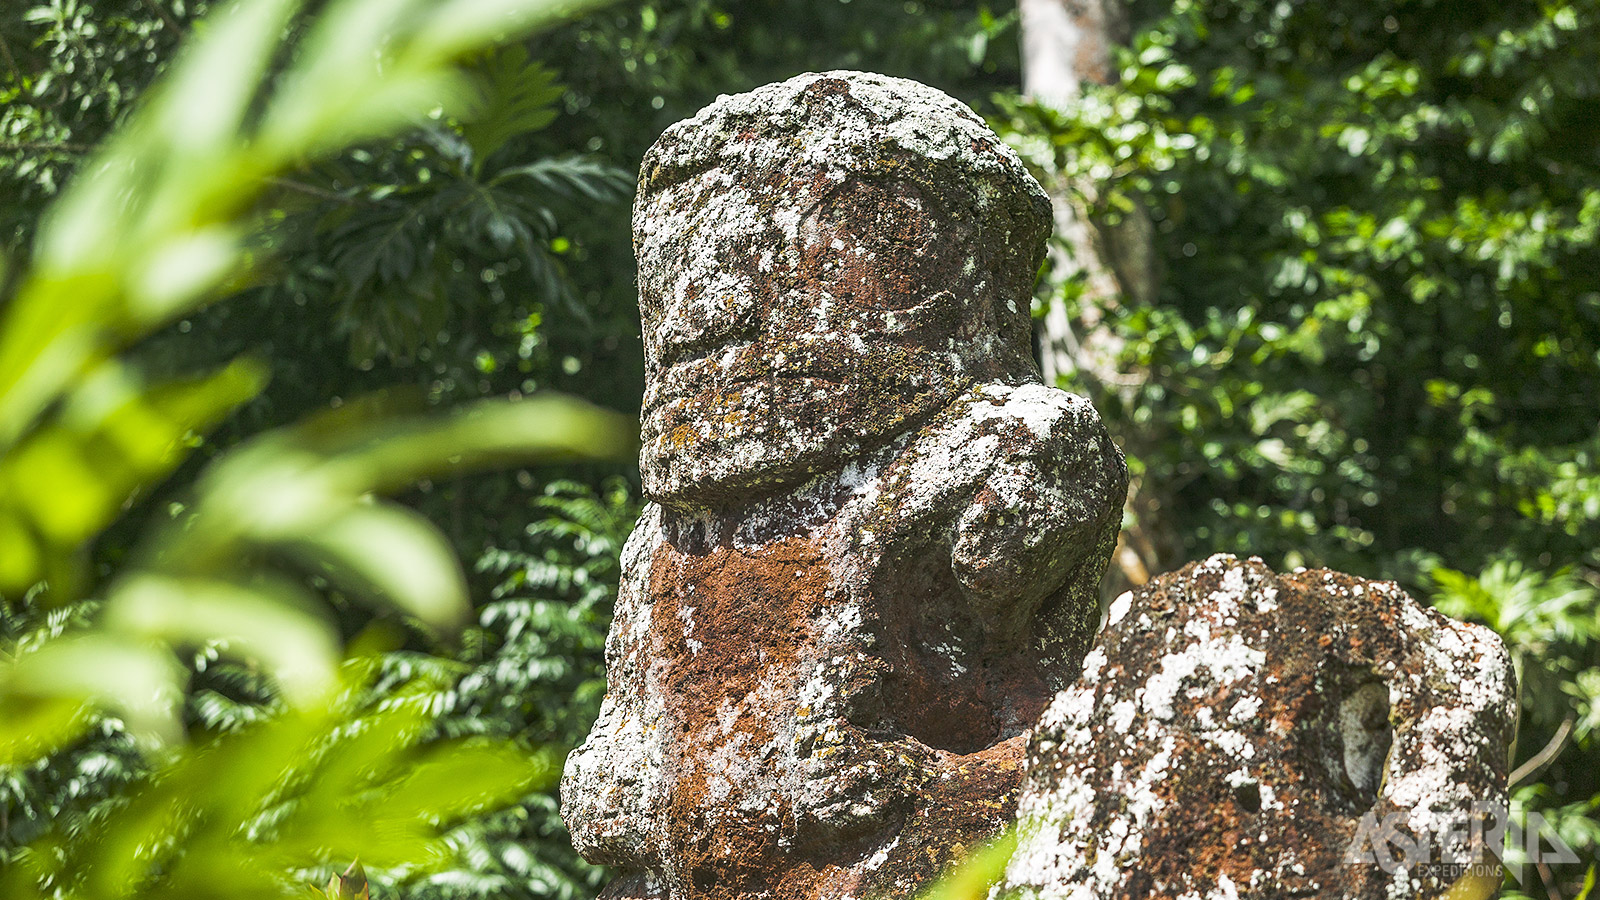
(997, 440)
(998, 422)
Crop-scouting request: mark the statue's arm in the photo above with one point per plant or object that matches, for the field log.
(1049, 507)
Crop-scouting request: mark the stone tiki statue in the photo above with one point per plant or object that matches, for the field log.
(874, 538)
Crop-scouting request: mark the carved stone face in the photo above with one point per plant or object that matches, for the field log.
(801, 307)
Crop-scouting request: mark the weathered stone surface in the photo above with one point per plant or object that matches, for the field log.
(1232, 728)
(823, 263)
(873, 541)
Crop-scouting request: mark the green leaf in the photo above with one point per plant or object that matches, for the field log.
(455, 27)
(31, 728)
(571, 178)
(137, 679)
(511, 96)
(349, 42)
(266, 620)
(71, 478)
(462, 778)
(182, 272)
(198, 114)
(398, 553)
(550, 428)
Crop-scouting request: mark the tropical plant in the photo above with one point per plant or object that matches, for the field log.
(1373, 345)
(336, 764)
(1376, 342)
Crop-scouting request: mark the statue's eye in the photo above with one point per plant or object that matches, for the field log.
(900, 223)
(885, 245)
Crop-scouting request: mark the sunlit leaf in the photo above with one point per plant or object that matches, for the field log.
(181, 272)
(453, 27)
(401, 555)
(263, 619)
(137, 679)
(199, 114)
(70, 479)
(976, 875)
(456, 780)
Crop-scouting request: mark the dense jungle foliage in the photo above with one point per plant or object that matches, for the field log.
(1376, 346)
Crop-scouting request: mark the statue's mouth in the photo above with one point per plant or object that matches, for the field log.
(709, 379)
(708, 403)
(708, 375)
(884, 368)
(744, 420)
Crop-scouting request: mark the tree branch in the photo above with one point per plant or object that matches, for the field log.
(1549, 879)
(1542, 758)
(11, 61)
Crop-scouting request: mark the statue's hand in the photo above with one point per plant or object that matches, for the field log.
(1051, 501)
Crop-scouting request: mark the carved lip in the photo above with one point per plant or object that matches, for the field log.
(721, 369)
(715, 392)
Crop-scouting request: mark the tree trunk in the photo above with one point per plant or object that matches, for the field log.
(1067, 44)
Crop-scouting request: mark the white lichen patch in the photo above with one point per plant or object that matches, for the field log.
(1203, 664)
(1119, 608)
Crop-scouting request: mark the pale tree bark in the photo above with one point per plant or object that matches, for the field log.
(1066, 45)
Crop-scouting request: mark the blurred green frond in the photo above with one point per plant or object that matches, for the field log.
(157, 223)
(290, 765)
(331, 781)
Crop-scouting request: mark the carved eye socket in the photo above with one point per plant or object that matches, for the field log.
(886, 245)
(900, 222)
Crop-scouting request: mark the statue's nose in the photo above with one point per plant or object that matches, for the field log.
(712, 298)
(705, 316)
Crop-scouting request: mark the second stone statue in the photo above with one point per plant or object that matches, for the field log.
(874, 538)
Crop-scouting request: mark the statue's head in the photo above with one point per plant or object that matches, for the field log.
(823, 263)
